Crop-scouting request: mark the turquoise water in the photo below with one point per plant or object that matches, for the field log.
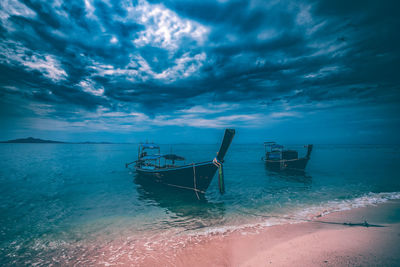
(65, 203)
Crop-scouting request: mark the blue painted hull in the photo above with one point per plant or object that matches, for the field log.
(195, 177)
(287, 165)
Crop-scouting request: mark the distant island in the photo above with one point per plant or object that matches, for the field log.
(31, 140)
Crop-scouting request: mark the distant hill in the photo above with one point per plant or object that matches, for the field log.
(87, 142)
(32, 140)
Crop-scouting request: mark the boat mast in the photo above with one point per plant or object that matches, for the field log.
(226, 142)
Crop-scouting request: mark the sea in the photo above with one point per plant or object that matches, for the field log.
(77, 204)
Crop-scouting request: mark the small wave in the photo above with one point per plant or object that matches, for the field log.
(301, 214)
(161, 248)
(369, 199)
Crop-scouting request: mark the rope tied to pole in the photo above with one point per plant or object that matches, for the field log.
(221, 182)
(194, 182)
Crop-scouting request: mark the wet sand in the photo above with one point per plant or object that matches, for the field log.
(327, 242)
(337, 239)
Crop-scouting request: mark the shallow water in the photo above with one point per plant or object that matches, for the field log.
(64, 203)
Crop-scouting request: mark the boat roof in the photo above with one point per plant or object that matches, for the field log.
(150, 146)
(273, 145)
(151, 157)
(173, 157)
(166, 156)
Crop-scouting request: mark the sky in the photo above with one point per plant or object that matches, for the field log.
(322, 72)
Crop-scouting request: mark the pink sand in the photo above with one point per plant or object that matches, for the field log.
(304, 244)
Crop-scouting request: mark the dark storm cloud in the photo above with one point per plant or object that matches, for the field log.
(158, 58)
(363, 32)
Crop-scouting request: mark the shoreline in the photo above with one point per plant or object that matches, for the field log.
(336, 239)
(340, 238)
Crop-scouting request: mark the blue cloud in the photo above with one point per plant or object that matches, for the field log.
(135, 65)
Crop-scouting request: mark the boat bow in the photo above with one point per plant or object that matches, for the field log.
(226, 142)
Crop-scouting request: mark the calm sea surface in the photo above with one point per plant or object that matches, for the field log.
(65, 204)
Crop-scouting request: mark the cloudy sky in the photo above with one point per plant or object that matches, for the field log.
(182, 71)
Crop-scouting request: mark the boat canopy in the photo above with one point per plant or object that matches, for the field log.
(151, 157)
(173, 157)
(150, 146)
(273, 145)
(269, 143)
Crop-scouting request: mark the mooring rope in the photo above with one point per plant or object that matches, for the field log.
(194, 181)
(364, 224)
(220, 175)
(185, 187)
(284, 160)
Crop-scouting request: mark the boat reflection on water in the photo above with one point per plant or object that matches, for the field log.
(188, 211)
(297, 176)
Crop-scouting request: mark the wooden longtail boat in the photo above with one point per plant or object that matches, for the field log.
(279, 159)
(196, 176)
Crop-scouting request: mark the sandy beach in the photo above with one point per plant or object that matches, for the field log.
(337, 239)
(367, 236)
